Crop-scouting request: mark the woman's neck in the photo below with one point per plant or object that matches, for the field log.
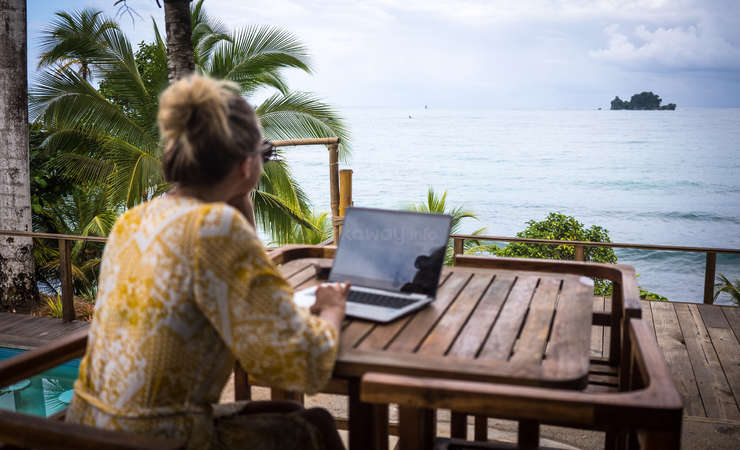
(206, 194)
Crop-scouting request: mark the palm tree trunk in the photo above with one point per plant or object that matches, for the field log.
(180, 61)
(17, 284)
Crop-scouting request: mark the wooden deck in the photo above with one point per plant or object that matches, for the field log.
(701, 344)
(26, 332)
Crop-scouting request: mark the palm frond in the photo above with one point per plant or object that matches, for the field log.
(65, 98)
(301, 115)
(275, 216)
(253, 51)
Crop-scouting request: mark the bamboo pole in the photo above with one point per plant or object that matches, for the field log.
(345, 190)
(345, 194)
(307, 141)
(334, 185)
(65, 276)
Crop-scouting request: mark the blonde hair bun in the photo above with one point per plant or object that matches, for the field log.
(193, 106)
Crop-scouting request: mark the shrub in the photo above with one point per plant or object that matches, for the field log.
(558, 226)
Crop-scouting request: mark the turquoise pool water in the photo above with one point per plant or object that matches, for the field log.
(42, 395)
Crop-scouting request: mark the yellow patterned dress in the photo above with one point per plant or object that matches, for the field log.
(185, 287)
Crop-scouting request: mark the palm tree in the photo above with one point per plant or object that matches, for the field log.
(321, 231)
(17, 287)
(75, 38)
(728, 287)
(180, 61)
(83, 212)
(438, 205)
(115, 143)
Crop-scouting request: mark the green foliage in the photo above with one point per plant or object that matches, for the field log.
(107, 137)
(643, 100)
(436, 204)
(558, 226)
(54, 303)
(321, 231)
(74, 39)
(727, 287)
(647, 295)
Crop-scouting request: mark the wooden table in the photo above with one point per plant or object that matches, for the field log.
(518, 328)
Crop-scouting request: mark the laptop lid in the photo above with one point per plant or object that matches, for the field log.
(397, 251)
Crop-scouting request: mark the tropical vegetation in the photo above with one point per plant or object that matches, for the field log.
(643, 100)
(437, 204)
(728, 287)
(97, 148)
(561, 227)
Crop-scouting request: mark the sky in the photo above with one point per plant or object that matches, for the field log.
(490, 54)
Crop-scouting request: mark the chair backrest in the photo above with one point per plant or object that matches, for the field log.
(26, 431)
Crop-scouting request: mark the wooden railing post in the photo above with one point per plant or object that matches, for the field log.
(458, 246)
(65, 276)
(579, 252)
(334, 183)
(709, 276)
(345, 192)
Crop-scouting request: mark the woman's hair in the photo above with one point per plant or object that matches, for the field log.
(207, 128)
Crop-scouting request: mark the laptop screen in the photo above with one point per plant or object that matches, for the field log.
(393, 250)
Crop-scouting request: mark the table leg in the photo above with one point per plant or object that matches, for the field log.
(458, 425)
(481, 428)
(529, 434)
(417, 428)
(242, 390)
(368, 423)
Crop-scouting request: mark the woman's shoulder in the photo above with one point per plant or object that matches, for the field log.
(223, 220)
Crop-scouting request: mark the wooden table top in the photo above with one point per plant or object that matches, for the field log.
(521, 328)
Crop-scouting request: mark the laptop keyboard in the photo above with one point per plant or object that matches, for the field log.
(378, 299)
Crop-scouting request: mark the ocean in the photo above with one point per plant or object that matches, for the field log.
(649, 177)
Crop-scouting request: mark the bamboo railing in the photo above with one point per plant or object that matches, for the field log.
(580, 246)
(340, 200)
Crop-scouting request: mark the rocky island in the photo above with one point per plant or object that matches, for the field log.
(641, 101)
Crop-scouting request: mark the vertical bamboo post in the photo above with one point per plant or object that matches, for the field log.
(345, 193)
(65, 276)
(334, 184)
(345, 190)
(709, 275)
(579, 252)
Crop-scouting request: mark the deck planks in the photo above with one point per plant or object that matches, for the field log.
(27, 332)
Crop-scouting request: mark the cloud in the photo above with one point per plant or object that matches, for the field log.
(691, 48)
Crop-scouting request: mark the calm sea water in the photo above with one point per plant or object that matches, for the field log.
(658, 177)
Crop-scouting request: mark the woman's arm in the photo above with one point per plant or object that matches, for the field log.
(248, 302)
(243, 204)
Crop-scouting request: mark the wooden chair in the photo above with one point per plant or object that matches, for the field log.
(650, 410)
(18, 430)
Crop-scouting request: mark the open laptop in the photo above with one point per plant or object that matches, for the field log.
(393, 260)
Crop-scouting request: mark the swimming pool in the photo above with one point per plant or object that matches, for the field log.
(41, 395)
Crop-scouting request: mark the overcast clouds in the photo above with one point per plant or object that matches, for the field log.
(488, 54)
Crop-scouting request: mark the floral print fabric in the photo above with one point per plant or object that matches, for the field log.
(185, 288)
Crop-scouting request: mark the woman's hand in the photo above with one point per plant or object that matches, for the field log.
(243, 202)
(331, 302)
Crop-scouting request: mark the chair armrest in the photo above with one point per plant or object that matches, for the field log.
(38, 360)
(288, 253)
(26, 431)
(657, 406)
(630, 292)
